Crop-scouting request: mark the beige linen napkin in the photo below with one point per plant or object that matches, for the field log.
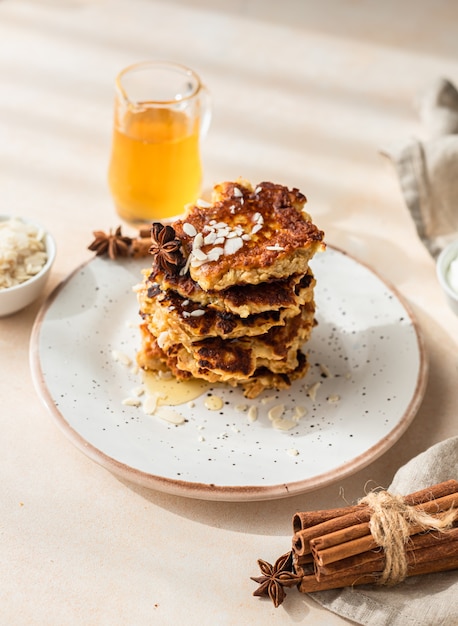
(429, 600)
(428, 170)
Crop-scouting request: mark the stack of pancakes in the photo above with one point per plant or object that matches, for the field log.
(233, 301)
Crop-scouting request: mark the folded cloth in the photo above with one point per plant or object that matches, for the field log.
(428, 170)
(428, 600)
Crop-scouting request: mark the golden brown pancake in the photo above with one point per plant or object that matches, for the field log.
(219, 360)
(243, 300)
(177, 319)
(247, 236)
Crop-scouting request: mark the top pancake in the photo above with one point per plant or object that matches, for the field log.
(247, 236)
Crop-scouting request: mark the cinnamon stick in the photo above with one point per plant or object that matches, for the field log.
(364, 541)
(360, 530)
(430, 546)
(429, 500)
(307, 519)
(344, 552)
(309, 582)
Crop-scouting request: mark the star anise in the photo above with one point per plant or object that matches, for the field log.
(275, 577)
(166, 248)
(113, 244)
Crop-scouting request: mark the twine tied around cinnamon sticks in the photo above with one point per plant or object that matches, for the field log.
(391, 524)
(381, 540)
(335, 548)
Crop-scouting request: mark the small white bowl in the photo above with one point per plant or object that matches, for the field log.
(444, 260)
(13, 299)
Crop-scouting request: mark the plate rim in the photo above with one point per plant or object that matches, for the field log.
(236, 493)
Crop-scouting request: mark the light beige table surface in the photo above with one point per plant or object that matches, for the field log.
(304, 93)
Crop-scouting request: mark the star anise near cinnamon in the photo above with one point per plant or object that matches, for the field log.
(114, 244)
(166, 248)
(275, 578)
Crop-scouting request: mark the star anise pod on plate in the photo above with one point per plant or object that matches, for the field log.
(114, 244)
(275, 577)
(166, 248)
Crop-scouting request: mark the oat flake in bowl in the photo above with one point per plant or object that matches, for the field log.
(26, 255)
(22, 251)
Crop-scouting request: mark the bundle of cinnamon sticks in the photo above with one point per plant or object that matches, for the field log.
(336, 548)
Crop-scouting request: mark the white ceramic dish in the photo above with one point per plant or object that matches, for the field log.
(448, 255)
(14, 299)
(366, 339)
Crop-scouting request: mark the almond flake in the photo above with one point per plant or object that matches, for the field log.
(312, 391)
(238, 193)
(325, 371)
(169, 415)
(276, 412)
(299, 411)
(276, 248)
(256, 228)
(162, 338)
(131, 402)
(199, 254)
(197, 313)
(210, 238)
(184, 270)
(232, 245)
(150, 404)
(283, 424)
(203, 204)
(198, 241)
(215, 253)
(189, 229)
(253, 413)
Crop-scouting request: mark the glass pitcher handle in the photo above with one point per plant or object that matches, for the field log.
(206, 111)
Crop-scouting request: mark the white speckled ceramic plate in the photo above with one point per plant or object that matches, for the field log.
(366, 340)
